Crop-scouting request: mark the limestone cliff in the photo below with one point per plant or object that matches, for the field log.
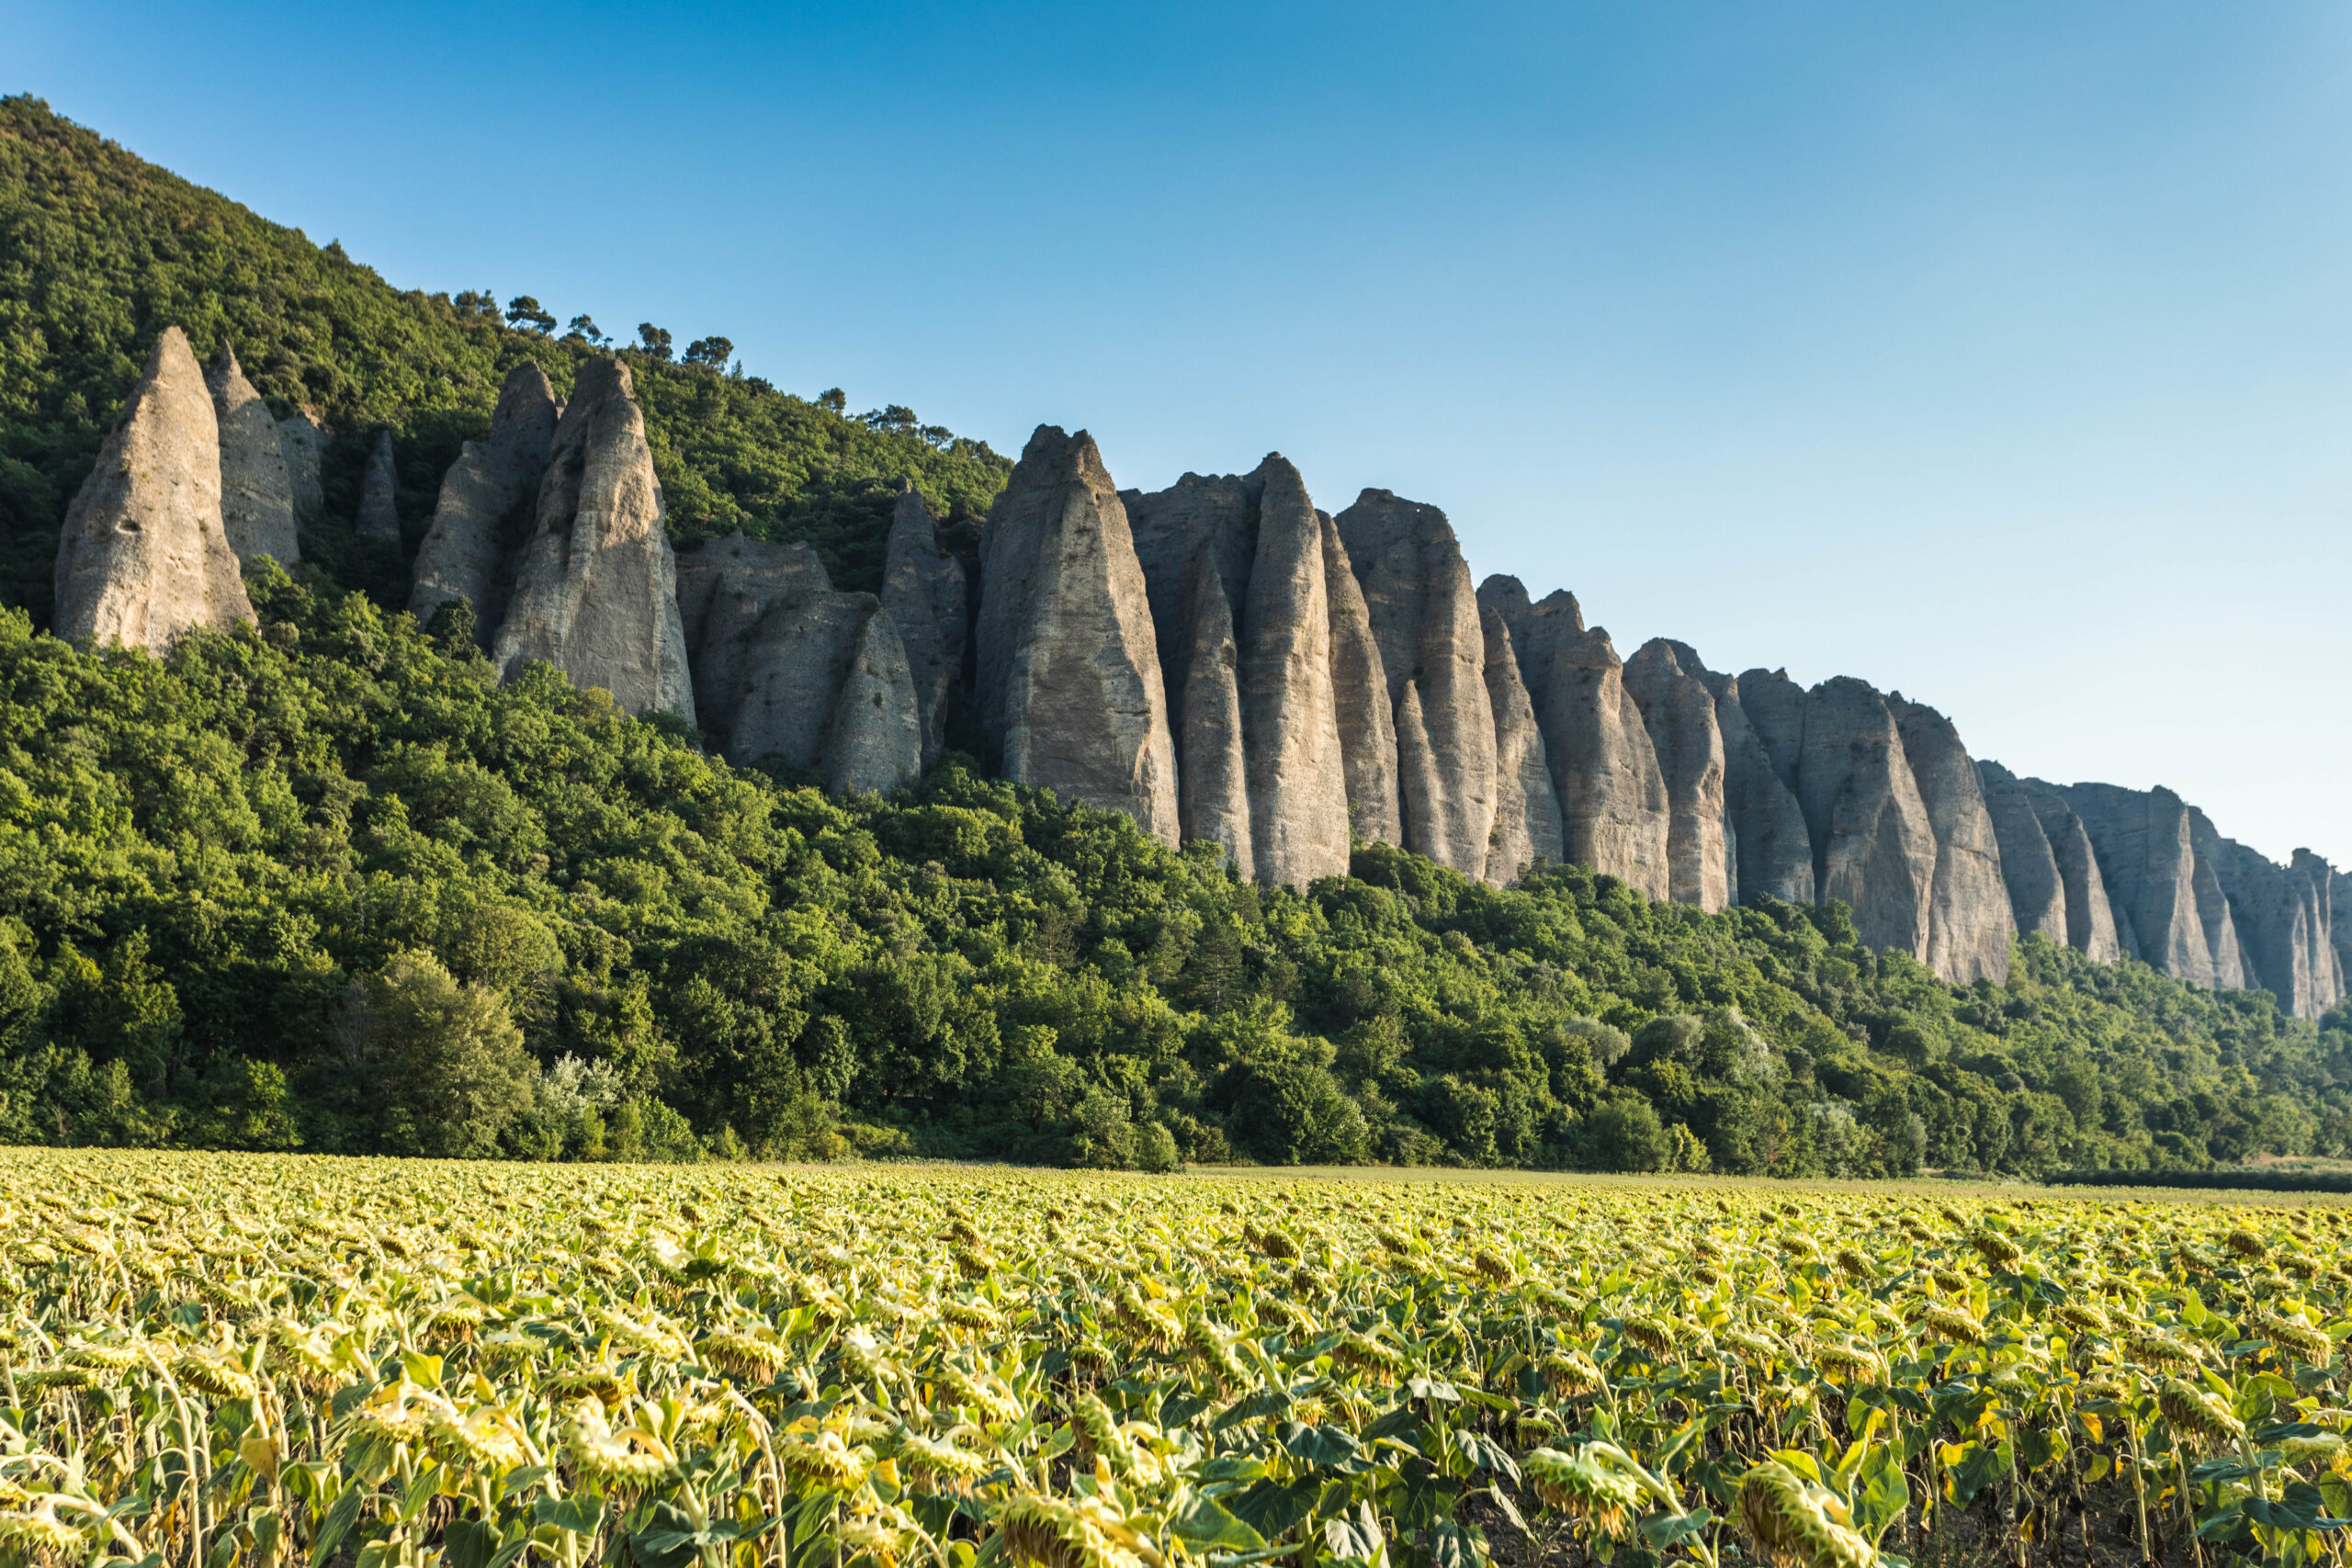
(2028, 865)
(1969, 920)
(1527, 812)
(1872, 844)
(484, 505)
(1666, 681)
(144, 557)
(595, 590)
(924, 592)
(1070, 687)
(1604, 768)
(2149, 864)
(1772, 847)
(2094, 928)
(1360, 699)
(378, 517)
(784, 666)
(256, 491)
(1213, 770)
(303, 440)
(1424, 620)
(1298, 794)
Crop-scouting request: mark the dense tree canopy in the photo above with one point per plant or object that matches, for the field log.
(327, 884)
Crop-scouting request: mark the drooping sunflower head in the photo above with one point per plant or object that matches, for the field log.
(1797, 1524)
(1602, 1501)
(2197, 1411)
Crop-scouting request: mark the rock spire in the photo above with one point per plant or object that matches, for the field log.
(1667, 682)
(1070, 695)
(143, 558)
(256, 491)
(923, 590)
(380, 517)
(485, 502)
(595, 589)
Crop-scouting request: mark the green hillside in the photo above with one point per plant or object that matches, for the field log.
(99, 252)
(325, 883)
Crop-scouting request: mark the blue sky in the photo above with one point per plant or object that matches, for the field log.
(1997, 353)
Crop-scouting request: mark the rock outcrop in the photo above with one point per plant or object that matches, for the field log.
(303, 441)
(924, 592)
(1235, 573)
(1872, 844)
(1528, 826)
(1070, 693)
(2284, 918)
(1360, 701)
(143, 558)
(1668, 683)
(380, 517)
(1299, 790)
(485, 504)
(1774, 707)
(1604, 770)
(1772, 848)
(2148, 863)
(2092, 925)
(2028, 865)
(1192, 544)
(1213, 761)
(1969, 918)
(256, 491)
(784, 666)
(595, 589)
(1425, 622)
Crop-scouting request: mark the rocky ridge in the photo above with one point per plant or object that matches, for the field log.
(1222, 662)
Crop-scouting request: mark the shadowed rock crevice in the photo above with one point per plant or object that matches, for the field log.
(256, 490)
(485, 505)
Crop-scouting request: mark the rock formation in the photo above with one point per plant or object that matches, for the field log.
(1528, 826)
(484, 504)
(1604, 768)
(2149, 866)
(1969, 918)
(256, 491)
(1235, 573)
(380, 516)
(875, 740)
(783, 666)
(923, 590)
(1872, 844)
(1774, 707)
(1361, 702)
(2028, 865)
(1298, 789)
(1212, 767)
(144, 557)
(2284, 918)
(1194, 546)
(1667, 683)
(595, 590)
(1772, 848)
(1424, 620)
(303, 442)
(1070, 696)
(2092, 926)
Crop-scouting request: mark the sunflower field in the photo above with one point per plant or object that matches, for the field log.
(235, 1360)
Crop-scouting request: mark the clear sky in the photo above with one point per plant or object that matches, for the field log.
(1998, 353)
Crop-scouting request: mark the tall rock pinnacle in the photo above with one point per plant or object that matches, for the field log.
(379, 485)
(303, 443)
(1604, 768)
(1770, 842)
(2028, 865)
(597, 591)
(484, 504)
(1069, 684)
(1425, 620)
(1298, 790)
(1667, 682)
(1213, 759)
(924, 593)
(1527, 812)
(144, 557)
(1969, 917)
(1360, 698)
(256, 491)
(1872, 844)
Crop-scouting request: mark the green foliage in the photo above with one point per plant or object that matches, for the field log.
(327, 883)
(103, 250)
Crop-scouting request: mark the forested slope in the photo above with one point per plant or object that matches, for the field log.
(100, 251)
(327, 883)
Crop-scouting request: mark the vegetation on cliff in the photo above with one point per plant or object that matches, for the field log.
(327, 884)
